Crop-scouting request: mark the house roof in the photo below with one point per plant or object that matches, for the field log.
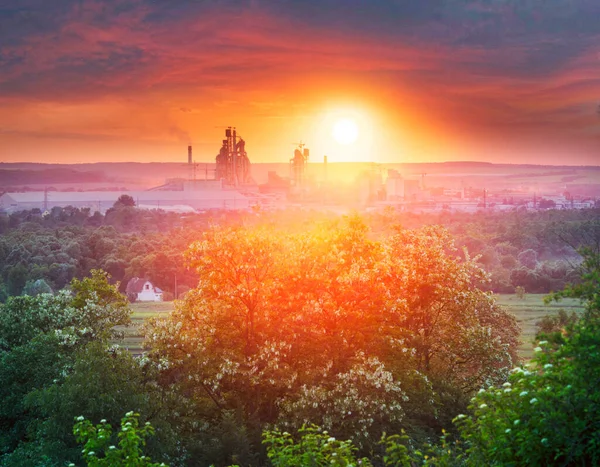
(136, 285)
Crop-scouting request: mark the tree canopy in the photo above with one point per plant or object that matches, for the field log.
(332, 327)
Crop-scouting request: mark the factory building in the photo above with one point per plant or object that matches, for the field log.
(103, 200)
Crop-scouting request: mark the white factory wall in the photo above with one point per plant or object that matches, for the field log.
(103, 200)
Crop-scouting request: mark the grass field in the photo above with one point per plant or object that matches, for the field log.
(141, 312)
(528, 311)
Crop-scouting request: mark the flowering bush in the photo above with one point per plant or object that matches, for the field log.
(545, 414)
(98, 450)
(316, 448)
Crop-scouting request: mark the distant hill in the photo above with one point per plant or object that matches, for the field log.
(52, 175)
(137, 175)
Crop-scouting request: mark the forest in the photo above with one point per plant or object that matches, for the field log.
(43, 252)
(298, 338)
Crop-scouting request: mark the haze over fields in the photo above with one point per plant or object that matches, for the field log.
(421, 81)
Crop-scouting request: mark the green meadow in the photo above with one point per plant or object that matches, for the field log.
(528, 310)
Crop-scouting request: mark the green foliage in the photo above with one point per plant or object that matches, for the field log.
(358, 331)
(98, 450)
(37, 287)
(587, 288)
(547, 414)
(554, 327)
(91, 312)
(41, 340)
(315, 448)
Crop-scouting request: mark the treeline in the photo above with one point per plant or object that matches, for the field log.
(533, 250)
(42, 252)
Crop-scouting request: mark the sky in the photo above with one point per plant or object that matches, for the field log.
(503, 81)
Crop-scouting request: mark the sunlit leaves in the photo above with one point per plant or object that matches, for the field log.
(298, 323)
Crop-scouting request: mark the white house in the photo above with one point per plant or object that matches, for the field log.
(142, 290)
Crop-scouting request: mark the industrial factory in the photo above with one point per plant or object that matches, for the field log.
(231, 188)
(229, 183)
(226, 184)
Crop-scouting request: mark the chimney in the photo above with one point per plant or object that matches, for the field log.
(190, 155)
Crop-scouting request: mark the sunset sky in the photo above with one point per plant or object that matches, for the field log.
(506, 81)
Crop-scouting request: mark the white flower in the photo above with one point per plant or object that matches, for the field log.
(507, 390)
(507, 385)
(80, 418)
(542, 342)
(537, 349)
(331, 440)
(483, 406)
(517, 421)
(507, 430)
(544, 441)
(533, 401)
(481, 391)
(112, 447)
(548, 365)
(103, 421)
(523, 394)
(91, 453)
(461, 416)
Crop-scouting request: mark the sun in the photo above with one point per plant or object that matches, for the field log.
(345, 131)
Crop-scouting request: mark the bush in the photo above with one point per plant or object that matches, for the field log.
(315, 448)
(547, 414)
(98, 450)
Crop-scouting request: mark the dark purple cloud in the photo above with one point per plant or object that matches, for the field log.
(522, 67)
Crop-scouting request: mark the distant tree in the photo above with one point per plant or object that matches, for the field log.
(95, 220)
(546, 204)
(557, 324)
(36, 287)
(124, 200)
(528, 258)
(520, 292)
(17, 278)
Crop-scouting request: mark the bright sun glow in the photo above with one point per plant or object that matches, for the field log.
(345, 131)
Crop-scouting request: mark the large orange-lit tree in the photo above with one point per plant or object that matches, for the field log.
(332, 327)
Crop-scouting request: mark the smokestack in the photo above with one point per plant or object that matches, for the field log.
(190, 155)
